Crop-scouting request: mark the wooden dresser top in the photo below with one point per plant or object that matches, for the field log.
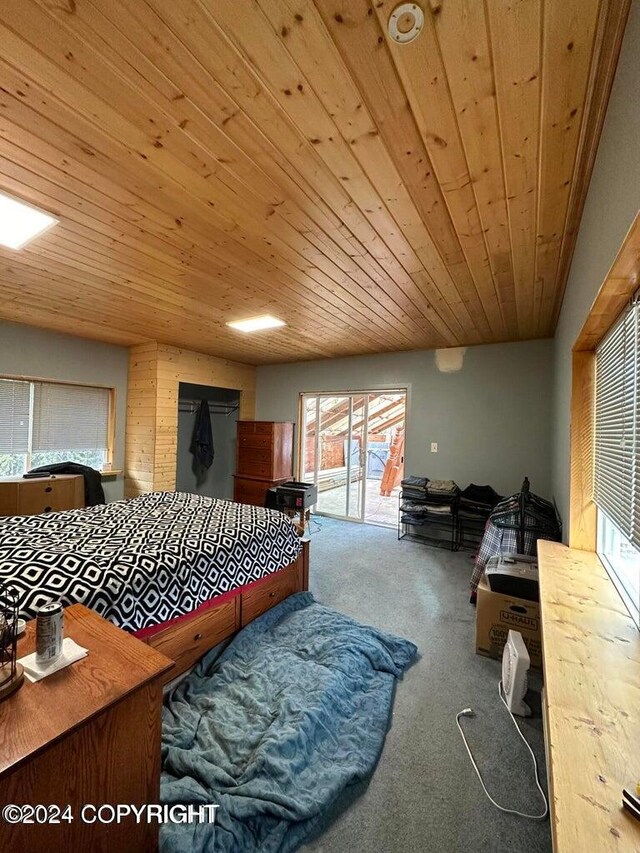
(40, 714)
(49, 479)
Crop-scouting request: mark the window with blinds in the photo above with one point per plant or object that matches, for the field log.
(14, 416)
(617, 455)
(69, 417)
(42, 423)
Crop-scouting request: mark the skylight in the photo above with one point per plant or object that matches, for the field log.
(20, 222)
(257, 324)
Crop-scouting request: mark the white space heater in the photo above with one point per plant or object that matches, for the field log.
(512, 690)
(515, 674)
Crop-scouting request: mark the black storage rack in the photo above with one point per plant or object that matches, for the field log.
(475, 505)
(425, 528)
(471, 527)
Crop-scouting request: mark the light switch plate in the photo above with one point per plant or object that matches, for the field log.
(434, 446)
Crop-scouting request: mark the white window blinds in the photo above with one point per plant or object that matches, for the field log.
(69, 417)
(616, 467)
(14, 416)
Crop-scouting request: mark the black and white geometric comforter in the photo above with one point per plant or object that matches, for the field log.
(143, 561)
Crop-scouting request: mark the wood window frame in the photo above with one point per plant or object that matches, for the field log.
(111, 420)
(619, 286)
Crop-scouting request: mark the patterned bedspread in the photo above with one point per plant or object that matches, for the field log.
(143, 561)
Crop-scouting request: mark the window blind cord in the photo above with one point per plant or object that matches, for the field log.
(469, 712)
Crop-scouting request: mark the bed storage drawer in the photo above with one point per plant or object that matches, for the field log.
(270, 592)
(186, 642)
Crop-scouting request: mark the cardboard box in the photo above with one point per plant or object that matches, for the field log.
(497, 614)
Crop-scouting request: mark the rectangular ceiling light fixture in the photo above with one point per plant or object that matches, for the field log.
(21, 222)
(257, 324)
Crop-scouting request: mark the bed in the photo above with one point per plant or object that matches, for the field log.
(180, 571)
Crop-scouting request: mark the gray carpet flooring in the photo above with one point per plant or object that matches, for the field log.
(424, 795)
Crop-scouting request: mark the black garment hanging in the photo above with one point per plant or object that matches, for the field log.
(202, 439)
(93, 491)
(527, 511)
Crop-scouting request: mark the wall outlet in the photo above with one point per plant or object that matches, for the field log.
(434, 446)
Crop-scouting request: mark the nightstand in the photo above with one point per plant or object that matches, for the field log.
(88, 734)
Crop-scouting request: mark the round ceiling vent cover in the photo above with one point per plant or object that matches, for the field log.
(405, 22)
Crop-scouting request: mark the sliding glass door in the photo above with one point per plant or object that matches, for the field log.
(352, 448)
(333, 452)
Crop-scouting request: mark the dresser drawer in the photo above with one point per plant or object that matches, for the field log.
(250, 491)
(255, 428)
(269, 593)
(255, 456)
(187, 641)
(255, 469)
(41, 495)
(261, 469)
(255, 439)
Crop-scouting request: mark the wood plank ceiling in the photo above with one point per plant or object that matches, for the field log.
(211, 160)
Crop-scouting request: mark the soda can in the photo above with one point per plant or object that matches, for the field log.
(49, 632)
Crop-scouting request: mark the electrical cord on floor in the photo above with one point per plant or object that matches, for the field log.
(312, 520)
(469, 712)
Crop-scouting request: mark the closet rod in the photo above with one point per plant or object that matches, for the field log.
(192, 406)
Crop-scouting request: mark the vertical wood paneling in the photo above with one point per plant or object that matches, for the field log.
(155, 372)
(582, 510)
(140, 438)
(617, 289)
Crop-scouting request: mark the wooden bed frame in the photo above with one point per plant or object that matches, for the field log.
(188, 639)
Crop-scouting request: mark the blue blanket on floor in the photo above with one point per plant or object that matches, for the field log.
(276, 726)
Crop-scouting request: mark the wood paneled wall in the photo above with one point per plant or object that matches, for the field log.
(618, 288)
(155, 373)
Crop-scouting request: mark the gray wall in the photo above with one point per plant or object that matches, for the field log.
(491, 420)
(612, 202)
(27, 351)
(218, 480)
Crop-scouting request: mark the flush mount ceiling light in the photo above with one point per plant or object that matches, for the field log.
(21, 222)
(257, 324)
(405, 22)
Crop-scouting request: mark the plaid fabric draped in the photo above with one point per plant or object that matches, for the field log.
(502, 540)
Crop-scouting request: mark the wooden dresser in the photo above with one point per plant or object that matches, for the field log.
(41, 494)
(88, 734)
(264, 459)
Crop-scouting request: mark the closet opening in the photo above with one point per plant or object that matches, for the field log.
(192, 472)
